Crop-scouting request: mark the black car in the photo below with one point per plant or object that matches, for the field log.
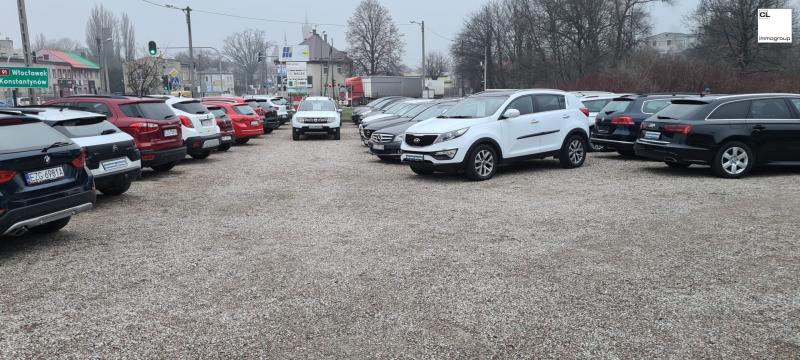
(385, 143)
(112, 156)
(731, 133)
(379, 109)
(617, 125)
(43, 177)
(402, 115)
(361, 110)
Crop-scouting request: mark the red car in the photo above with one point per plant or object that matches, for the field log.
(246, 123)
(266, 114)
(152, 124)
(226, 132)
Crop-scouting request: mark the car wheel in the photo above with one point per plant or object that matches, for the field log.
(242, 141)
(337, 135)
(676, 165)
(295, 135)
(116, 188)
(481, 163)
(421, 171)
(573, 152)
(51, 227)
(164, 167)
(200, 155)
(734, 160)
(224, 148)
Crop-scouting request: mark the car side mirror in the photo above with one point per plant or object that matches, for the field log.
(339, 111)
(510, 114)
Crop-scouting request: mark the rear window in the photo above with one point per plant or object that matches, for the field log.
(596, 105)
(28, 136)
(680, 111)
(654, 106)
(86, 127)
(279, 101)
(148, 110)
(220, 112)
(615, 106)
(253, 104)
(191, 107)
(244, 110)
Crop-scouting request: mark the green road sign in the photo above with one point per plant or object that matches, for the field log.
(24, 77)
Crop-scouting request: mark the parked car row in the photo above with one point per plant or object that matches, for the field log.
(54, 156)
(729, 133)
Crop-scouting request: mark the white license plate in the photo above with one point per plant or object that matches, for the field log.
(116, 164)
(210, 143)
(170, 132)
(43, 176)
(414, 157)
(652, 135)
(378, 147)
(254, 123)
(206, 122)
(227, 138)
(316, 127)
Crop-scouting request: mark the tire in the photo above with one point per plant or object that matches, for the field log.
(421, 171)
(337, 135)
(734, 160)
(573, 152)
(675, 165)
(295, 135)
(164, 167)
(200, 156)
(386, 158)
(224, 148)
(116, 188)
(627, 153)
(268, 130)
(242, 141)
(51, 227)
(481, 163)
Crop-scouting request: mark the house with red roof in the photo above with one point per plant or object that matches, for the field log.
(70, 73)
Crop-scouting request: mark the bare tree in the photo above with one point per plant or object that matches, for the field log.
(127, 37)
(436, 64)
(376, 46)
(242, 49)
(101, 26)
(143, 76)
(63, 44)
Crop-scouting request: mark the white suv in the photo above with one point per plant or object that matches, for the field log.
(201, 135)
(317, 114)
(488, 128)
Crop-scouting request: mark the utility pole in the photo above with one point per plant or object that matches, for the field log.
(422, 26)
(26, 41)
(192, 68)
(485, 68)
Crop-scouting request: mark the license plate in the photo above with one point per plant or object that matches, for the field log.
(227, 138)
(210, 143)
(315, 127)
(170, 132)
(206, 122)
(415, 157)
(378, 147)
(116, 164)
(43, 176)
(254, 123)
(652, 135)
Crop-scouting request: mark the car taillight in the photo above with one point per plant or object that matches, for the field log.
(677, 129)
(143, 128)
(622, 120)
(7, 175)
(185, 121)
(585, 111)
(79, 161)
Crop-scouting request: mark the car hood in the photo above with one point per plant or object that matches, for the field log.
(397, 129)
(372, 118)
(388, 121)
(316, 114)
(441, 126)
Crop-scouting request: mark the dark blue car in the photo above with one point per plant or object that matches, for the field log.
(43, 177)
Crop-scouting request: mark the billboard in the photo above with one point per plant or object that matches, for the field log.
(295, 53)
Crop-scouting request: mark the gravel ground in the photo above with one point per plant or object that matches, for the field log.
(314, 249)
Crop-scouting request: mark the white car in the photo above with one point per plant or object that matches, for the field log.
(595, 103)
(112, 156)
(317, 115)
(488, 128)
(201, 135)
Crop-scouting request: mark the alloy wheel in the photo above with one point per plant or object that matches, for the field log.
(576, 151)
(484, 163)
(735, 160)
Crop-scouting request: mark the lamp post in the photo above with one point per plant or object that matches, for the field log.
(422, 26)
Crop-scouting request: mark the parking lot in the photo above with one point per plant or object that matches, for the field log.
(316, 249)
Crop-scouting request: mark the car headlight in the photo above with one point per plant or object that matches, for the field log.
(399, 138)
(450, 135)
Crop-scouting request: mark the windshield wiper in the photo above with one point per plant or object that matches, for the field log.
(55, 145)
(666, 118)
(460, 117)
(168, 117)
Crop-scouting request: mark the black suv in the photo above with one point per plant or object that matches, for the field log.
(43, 177)
(731, 133)
(617, 125)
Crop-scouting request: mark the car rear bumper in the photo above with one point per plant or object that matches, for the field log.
(249, 133)
(129, 174)
(45, 212)
(202, 143)
(162, 157)
(620, 144)
(673, 153)
(226, 138)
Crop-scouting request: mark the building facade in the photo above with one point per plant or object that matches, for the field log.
(216, 83)
(327, 66)
(670, 42)
(69, 73)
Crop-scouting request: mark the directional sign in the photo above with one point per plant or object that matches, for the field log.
(24, 77)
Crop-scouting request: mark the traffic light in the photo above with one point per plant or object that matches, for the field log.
(152, 49)
(261, 57)
(33, 54)
(165, 83)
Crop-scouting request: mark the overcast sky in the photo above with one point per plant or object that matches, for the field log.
(62, 18)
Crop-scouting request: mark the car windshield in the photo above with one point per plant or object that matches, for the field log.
(475, 107)
(412, 108)
(617, 106)
(244, 109)
(417, 110)
(432, 112)
(395, 108)
(27, 136)
(596, 105)
(85, 127)
(279, 101)
(191, 107)
(317, 105)
(148, 110)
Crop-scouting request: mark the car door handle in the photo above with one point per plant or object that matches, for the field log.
(534, 121)
(565, 116)
(759, 127)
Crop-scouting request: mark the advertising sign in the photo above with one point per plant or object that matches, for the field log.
(295, 53)
(24, 77)
(775, 26)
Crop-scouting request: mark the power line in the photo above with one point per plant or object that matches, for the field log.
(437, 34)
(242, 16)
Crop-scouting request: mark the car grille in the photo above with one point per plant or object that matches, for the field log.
(420, 140)
(382, 138)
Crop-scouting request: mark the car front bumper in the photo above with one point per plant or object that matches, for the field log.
(391, 149)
